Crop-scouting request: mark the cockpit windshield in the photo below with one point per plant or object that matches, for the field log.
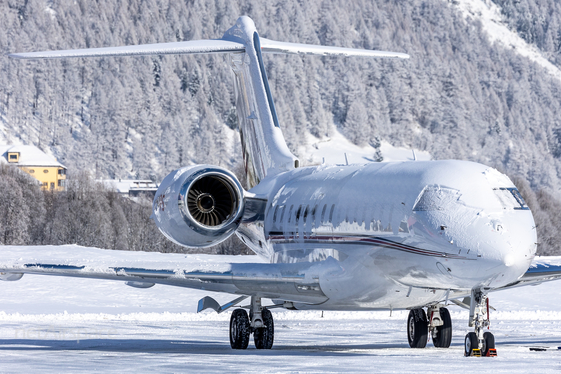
(510, 198)
(436, 198)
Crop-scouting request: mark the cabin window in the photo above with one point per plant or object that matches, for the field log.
(290, 213)
(298, 214)
(314, 213)
(275, 213)
(331, 213)
(323, 213)
(282, 214)
(306, 213)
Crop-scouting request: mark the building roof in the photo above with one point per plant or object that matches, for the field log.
(29, 155)
(125, 186)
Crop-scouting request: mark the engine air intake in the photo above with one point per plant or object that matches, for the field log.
(211, 200)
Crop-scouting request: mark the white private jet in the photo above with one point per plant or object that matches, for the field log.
(376, 236)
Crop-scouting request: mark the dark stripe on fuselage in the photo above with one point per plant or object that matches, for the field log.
(280, 238)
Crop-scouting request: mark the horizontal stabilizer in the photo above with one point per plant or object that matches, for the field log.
(272, 46)
(207, 46)
(177, 48)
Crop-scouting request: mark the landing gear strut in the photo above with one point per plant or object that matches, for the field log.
(479, 343)
(260, 323)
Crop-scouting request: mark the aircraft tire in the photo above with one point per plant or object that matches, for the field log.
(442, 335)
(240, 329)
(417, 328)
(263, 337)
(489, 340)
(471, 342)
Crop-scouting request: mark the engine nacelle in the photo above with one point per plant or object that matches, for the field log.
(198, 206)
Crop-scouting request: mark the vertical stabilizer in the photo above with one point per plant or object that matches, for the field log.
(264, 149)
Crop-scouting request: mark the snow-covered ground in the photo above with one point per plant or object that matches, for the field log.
(54, 324)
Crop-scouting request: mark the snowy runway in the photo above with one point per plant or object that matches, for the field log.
(302, 346)
(54, 324)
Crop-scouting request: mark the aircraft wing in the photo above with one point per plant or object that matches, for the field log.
(290, 282)
(543, 269)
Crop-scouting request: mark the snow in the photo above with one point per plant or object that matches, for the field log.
(332, 150)
(489, 14)
(29, 155)
(124, 186)
(57, 324)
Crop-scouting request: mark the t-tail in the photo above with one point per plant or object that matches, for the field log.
(265, 152)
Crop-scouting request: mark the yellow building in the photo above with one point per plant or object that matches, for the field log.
(46, 169)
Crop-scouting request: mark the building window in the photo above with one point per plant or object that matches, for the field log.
(13, 157)
(45, 171)
(62, 183)
(52, 185)
(45, 184)
(31, 171)
(61, 172)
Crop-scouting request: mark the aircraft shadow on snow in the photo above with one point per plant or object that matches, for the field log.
(156, 346)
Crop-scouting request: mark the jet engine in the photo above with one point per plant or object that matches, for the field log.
(199, 206)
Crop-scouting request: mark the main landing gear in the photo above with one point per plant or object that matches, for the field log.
(479, 343)
(259, 322)
(438, 323)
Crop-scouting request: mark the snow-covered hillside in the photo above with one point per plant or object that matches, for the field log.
(495, 27)
(334, 149)
(459, 96)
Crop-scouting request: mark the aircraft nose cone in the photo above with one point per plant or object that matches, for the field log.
(513, 244)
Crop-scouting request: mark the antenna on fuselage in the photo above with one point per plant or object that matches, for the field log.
(414, 155)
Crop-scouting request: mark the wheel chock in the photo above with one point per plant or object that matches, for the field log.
(492, 352)
(476, 352)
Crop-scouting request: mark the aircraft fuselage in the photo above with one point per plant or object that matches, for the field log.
(403, 233)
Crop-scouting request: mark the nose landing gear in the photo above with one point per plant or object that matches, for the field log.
(479, 343)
